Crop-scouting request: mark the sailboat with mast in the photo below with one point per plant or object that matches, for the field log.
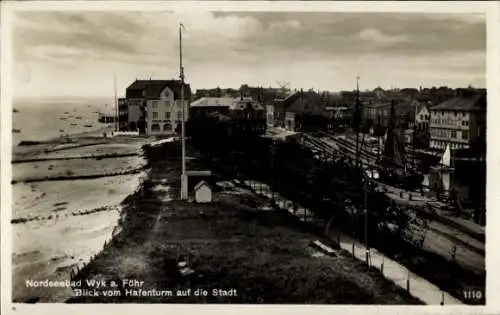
(394, 160)
(445, 163)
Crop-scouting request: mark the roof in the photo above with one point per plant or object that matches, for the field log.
(200, 184)
(421, 106)
(153, 88)
(241, 105)
(220, 116)
(214, 102)
(336, 108)
(460, 103)
(377, 105)
(198, 173)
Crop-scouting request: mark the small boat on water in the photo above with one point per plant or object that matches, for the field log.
(88, 126)
(15, 110)
(16, 130)
(78, 117)
(61, 130)
(66, 113)
(62, 118)
(445, 162)
(73, 124)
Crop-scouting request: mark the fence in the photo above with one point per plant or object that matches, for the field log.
(388, 269)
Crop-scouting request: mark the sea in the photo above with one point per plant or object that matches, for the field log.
(47, 118)
(55, 241)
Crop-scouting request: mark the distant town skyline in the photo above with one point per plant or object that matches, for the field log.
(77, 53)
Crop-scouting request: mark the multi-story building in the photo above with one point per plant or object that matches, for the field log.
(375, 114)
(458, 121)
(155, 105)
(123, 114)
(379, 114)
(422, 118)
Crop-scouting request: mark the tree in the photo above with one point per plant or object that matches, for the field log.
(422, 140)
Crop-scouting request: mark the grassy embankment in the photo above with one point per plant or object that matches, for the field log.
(230, 244)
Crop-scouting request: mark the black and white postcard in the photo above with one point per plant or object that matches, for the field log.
(172, 154)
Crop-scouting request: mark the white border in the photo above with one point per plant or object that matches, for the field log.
(493, 159)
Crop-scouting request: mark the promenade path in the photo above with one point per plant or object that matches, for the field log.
(400, 275)
(465, 226)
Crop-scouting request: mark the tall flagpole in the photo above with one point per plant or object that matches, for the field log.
(184, 184)
(117, 124)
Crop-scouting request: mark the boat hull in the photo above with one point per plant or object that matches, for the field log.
(442, 168)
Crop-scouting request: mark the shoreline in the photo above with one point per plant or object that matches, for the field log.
(67, 222)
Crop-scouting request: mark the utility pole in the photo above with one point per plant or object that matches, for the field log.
(184, 179)
(379, 137)
(413, 147)
(357, 118)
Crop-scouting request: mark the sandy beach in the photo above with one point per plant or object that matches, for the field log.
(60, 224)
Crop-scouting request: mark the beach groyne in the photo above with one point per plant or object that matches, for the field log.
(82, 157)
(80, 177)
(84, 223)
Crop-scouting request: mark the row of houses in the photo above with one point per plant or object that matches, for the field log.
(154, 107)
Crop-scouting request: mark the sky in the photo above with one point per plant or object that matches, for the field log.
(78, 53)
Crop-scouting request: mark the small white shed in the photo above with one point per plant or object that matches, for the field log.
(203, 192)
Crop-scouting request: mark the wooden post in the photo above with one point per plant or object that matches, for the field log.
(408, 282)
(442, 298)
(454, 251)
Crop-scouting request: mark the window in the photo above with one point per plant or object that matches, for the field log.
(465, 135)
(155, 115)
(455, 113)
(167, 116)
(167, 103)
(453, 133)
(421, 117)
(167, 127)
(179, 115)
(155, 127)
(155, 104)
